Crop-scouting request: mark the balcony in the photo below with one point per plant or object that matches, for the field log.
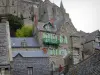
(49, 41)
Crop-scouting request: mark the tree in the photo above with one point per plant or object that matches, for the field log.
(15, 23)
(25, 31)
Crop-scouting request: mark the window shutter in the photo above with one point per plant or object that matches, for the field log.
(61, 39)
(65, 40)
(43, 35)
(49, 35)
(55, 37)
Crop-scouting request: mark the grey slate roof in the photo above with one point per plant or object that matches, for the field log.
(92, 36)
(38, 53)
(31, 42)
(79, 33)
(57, 23)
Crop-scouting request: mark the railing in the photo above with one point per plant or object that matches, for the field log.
(50, 41)
(90, 66)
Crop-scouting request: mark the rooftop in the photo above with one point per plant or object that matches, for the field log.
(30, 42)
(38, 53)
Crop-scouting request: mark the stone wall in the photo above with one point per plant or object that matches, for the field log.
(4, 46)
(90, 66)
(25, 8)
(40, 65)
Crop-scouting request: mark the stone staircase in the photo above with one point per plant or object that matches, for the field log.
(90, 66)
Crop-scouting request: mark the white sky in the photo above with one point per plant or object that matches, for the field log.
(85, 14)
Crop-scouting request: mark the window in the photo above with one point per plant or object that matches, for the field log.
(99, 38)
(23, 43)
(65, 40)
(99, 44)
(12, 2)
(30, 70)
(61, 39)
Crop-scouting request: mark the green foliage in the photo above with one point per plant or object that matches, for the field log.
(14, 22)
(25, 31)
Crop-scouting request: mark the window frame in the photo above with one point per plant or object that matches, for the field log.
(28, 70)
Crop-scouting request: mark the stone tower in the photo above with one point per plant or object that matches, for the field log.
(62, 7)
(5, 48)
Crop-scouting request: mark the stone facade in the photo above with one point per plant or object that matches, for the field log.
(91, 43)
(25, 8)
(5, 48)
(39, 65)
(84, 44)
(76, 45)
(45, 11)
(63, 27)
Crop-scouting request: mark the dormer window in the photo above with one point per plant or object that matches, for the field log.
(23, 43)
(99, 44)
(97, 39)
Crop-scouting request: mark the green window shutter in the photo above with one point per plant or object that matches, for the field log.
(65, 40)
(52, 36)
(50, 52)
(57, 52)
(56, 37)
(61, 39)
(48, 35)
(53, 52)
(44, 36)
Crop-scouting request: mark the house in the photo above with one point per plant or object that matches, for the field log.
(91, 43)
(30, 62)
(76, 45)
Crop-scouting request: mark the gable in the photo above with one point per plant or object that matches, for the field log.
(49, 27)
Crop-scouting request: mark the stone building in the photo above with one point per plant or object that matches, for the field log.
(91, 44)
(55, 38)
(21, 8)
(52, 38)
(76, 45)
(84, 45)
(5, 48)
(30, 62)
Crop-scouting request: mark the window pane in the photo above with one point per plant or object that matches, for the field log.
(30, 70)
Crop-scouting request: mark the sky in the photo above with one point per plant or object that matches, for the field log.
(85, 14)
